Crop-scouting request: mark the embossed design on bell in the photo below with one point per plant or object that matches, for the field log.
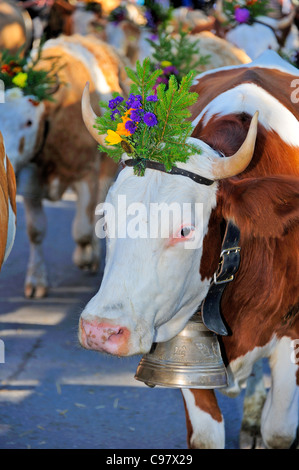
(192, 359)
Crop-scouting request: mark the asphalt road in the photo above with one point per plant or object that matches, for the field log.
(54, 394)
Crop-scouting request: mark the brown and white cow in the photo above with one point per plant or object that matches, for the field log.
(7, 204)
(51, 151)
(152, 286)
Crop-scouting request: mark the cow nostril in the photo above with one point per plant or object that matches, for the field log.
(115, 333)
(113, 339)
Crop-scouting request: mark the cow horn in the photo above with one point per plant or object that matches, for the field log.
(219, 13)
(231, 166)
(55, 87)
(89, 116)
(286, 21)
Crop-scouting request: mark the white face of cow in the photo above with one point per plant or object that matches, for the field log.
(151, 284)
(20, 123)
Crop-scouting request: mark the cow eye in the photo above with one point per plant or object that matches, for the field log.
(28, 123)
(186, 231)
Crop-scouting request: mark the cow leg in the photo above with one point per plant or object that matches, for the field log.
(87, 252)
(205, 425)
(254, 400)
(280, 413)
(36, 283)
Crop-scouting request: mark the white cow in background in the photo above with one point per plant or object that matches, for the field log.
(276, 32)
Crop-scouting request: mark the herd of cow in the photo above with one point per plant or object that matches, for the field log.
(246, 126)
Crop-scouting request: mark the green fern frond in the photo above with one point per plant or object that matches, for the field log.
(149, 126)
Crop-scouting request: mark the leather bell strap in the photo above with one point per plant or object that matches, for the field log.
(228, 266)
(174, 171)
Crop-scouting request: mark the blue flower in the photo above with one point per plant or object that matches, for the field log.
(131, 126)
(136, 104)
(115, 102)
(153, 98)
(134, 101)
(136, 115)
(150, 119)
(171, 69)
(130, 100)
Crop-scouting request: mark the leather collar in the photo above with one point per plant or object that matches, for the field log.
(229, 264)
(174, 171)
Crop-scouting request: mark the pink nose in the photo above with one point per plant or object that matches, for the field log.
(112, 339)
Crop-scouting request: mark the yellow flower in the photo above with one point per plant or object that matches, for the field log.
(20, 79)
(127, 113)
(121, 129)
(166, 63)
(113, 138)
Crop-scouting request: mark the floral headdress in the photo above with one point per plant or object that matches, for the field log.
(244, 11)
(21, 72)
(149, 125)
(156, 15)
(118, 14)
(176, 55)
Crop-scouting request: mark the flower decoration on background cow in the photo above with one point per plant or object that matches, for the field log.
(152, 124)
(156, 15)
(48, 147)
(256, 26)
(245, 11)
(23, 73)
(176, 55)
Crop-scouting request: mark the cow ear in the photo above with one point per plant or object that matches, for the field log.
(262, 207)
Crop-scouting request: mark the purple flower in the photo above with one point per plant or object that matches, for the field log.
(136, 104)
(153, 98)
(130, 100)
(115, 102)
(114, 112)
(150, 119)
(134, 101)
(242, 15)
(136, 115)
(158, 81)
(171, 69)
(131, 126)
(150, 19)
(161, 80)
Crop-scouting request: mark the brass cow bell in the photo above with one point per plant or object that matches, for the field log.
(192, 359)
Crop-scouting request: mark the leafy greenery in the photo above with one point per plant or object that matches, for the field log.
(255, 8)
(150, 126)
(23, 72)
(156, 14)
(181, 51)
(291, 56)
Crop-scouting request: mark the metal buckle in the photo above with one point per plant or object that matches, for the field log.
(229, 279)
(226, 251)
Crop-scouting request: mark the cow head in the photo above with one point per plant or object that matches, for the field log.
(152, 284)
(22, 125)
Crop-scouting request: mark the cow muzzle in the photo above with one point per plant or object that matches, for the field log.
(104, 337)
